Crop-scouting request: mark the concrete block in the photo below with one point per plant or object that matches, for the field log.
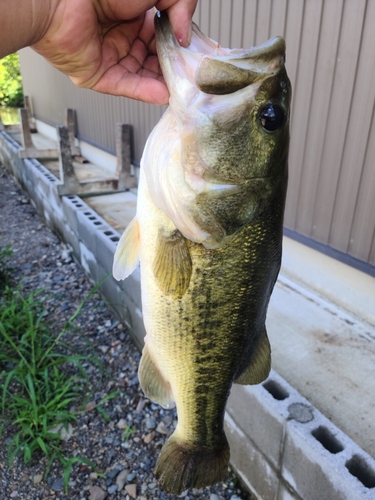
(122, 304)
(132, 286)
(71, 239)
(250, 463)
(135, 324)
(106, 243)
(89, 224)
(256, 413)
(313, 472)
(286, 493)
(72, 204)
(113, 294)
(88, 262)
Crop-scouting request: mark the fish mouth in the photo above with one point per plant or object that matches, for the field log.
(211, 68)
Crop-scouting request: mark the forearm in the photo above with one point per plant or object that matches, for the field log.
(23, 22)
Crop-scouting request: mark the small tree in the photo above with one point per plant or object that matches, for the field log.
(11, 93)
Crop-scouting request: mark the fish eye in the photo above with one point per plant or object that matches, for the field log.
(271, 117)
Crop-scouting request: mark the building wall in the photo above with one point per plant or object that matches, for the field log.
(331, 63)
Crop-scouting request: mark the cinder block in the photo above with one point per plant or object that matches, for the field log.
(72, 204)
(256, 413)
(86, 230)
(311, 470)
(106, 243)
(71, 238)
(132, 286)
(135, 324)
(89, 225)
(286, 493)
(250, 463)
(88, 262)
(113, 294)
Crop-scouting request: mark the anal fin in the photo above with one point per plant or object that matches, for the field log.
(127, 252)
(260, 363)
(172, 264)
(152, 382)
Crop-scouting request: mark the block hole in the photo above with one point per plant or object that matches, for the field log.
(92, 218)
(108, 233)
(358, 468)
(115, 238)
(71, 198)
(276, 390)
(79, 205)
(327, 439)
(97, 223)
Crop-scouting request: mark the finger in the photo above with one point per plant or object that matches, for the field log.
(120, 81)
(180, 15)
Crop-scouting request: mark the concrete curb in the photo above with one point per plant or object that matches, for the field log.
(282, 447)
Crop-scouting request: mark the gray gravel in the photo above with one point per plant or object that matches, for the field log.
(124, 460)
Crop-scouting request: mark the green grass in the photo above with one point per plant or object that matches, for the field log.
(127, 433)
(41, 378)
(5, 270)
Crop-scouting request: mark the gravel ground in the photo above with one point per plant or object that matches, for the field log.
(126, 462)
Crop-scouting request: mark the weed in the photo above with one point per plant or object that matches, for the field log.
(36, 389)
(5, 270)
(128, 432)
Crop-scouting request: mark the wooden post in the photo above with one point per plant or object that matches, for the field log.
(30, 114)
(69, 182)
(70, 122)
(27, 143)
(29, 150)
(123, 150)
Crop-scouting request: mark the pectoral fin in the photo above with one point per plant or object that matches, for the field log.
(172, 264)
(127, 252)
(260, 363)
(152, 382)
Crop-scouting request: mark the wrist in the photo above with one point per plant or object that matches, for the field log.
(24, 22)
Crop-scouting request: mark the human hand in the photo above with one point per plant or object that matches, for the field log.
(109, 46)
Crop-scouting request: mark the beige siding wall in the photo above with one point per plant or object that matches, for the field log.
(331, 63)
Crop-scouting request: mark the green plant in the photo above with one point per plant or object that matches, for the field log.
(36, 387)
(11, 93)
(99, 405)
(128, 432)
(5, 270)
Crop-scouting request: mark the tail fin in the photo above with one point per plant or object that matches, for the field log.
(182, 465)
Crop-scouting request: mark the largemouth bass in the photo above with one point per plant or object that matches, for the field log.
(208, 234)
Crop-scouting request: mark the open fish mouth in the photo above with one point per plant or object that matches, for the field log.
(219, 140)
(211, 68)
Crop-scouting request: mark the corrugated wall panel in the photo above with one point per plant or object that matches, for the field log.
(357, 138)
(300, 212)
(304, 84)
(331, 63)
(338, 118)
(362, 237)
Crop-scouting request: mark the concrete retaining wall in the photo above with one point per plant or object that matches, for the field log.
(282, 447)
